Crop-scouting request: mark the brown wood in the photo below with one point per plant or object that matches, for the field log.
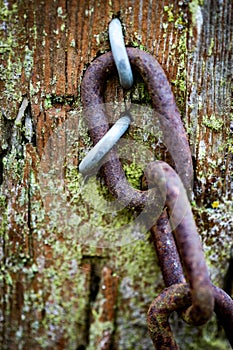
(51, 296)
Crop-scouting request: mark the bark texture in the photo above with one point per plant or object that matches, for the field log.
(68, 278)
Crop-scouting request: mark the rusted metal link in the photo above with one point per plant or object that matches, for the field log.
(92, 88)
(173, 274)
(198, 297)
(168, 257)
(176, 298)
(173, 298)
(224, 311)
(189, 246)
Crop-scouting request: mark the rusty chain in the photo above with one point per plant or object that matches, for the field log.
(175, 234)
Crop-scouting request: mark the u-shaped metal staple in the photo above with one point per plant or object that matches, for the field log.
(94, 157)
(120, 54)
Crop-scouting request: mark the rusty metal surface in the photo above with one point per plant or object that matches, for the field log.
(166, 250)
(187, 240)
(176, 298)
(224, 311)
(173, 298)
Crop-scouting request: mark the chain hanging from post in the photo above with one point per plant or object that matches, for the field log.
(194, 297)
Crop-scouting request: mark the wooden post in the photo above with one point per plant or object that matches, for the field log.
(67, 281)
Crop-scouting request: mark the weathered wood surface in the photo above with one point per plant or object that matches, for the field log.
(61, 287)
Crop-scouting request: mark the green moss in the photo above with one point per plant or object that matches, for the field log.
(52, 274)
(169, 10)
(59, 320)
(210, 50)
(204, 337)
(140, 46)
(3, 217)
(2, 202)
(13, 165)
(50, 100)
(178, 53)
(12, 64)
(217, 238)
(140, 282)
(213, 123)
(60, 13)
(193, 8)
(134, 174)
(98, 330)
(137, 42)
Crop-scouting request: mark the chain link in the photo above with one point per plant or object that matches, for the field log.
(175, 234)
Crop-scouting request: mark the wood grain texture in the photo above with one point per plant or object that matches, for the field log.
(58, 291)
